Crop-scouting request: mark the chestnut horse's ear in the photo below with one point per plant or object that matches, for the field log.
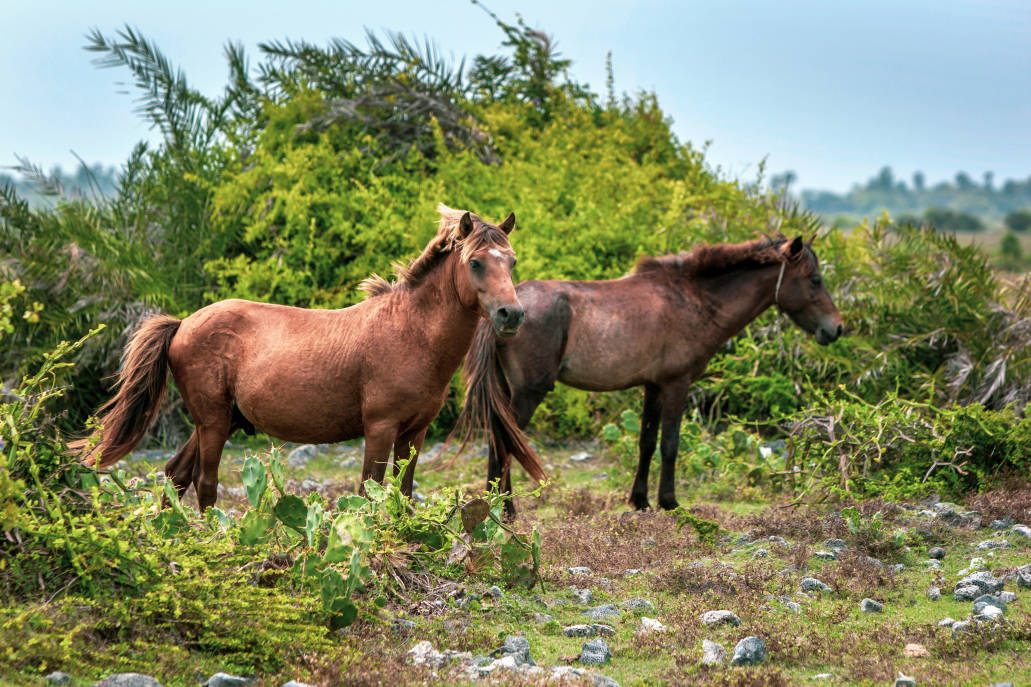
(465, 225)
(508, 226)
(796, 247)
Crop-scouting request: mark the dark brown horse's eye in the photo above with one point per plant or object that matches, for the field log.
(816, 281)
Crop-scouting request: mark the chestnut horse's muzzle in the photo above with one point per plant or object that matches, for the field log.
(507, 319)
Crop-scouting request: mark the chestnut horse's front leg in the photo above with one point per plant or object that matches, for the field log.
(646, 445)
(403, 451)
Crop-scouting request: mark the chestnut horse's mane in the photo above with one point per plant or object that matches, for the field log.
(711, 260)
(447, 240)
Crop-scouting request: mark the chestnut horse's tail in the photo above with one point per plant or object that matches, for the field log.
(141, 388)
(488, 406)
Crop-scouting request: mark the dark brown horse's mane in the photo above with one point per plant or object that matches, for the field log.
(709, 260)
(447, 240)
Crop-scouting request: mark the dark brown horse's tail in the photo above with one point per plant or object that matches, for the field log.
(489, 408)
(141, 387)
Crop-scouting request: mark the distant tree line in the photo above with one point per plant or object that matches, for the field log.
(961, 205)
(87, 181)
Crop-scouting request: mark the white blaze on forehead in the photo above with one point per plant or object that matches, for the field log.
(496, 253)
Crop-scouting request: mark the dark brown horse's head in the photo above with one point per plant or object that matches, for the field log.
(801, 293)
(484, 276)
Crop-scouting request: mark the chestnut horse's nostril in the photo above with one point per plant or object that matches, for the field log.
(841, 330)
(503, 313)
(518, 315)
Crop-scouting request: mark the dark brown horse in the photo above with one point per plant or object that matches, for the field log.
(379, 369)
(657, 327)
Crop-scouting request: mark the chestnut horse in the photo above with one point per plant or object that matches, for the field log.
(657, 328)
(379, 369)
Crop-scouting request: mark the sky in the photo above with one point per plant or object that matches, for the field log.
(830, 89)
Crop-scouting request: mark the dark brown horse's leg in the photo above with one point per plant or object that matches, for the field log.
(402, 451)
(672, 412)
(646, 447)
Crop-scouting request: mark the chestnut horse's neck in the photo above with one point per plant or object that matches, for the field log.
(435, 306)
(738, 297)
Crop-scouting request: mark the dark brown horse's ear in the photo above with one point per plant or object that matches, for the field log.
(508, 225)
(465, 225)
(809, 243)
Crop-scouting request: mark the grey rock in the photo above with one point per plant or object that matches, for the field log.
(904, 681)
(309, 485)
(580, 570)
(518, 648)
(760, 553)
(423, 654)
(811, 584)
(933, 564)
(128, 680)
(603, 681)
(826, 555)
(823, 676)
(937, 552)
(649, 542)
(402, 625)
(595, 653)
(713, 654)
(983, 580)
(58, 678)
(836, 544)
(793, 607)
(581, 457)
(350, 462)
(960, 626)
(651, 625)
(989, 544)
(989, 600)
(780, 541)
(1023, 530)
(542, 618)
(639, 605)
(1002, 684)
(750, 651)
(579, 631)
(295, 683)
(897, 568)
(418, 497)
(989, 613)
(630, 572)
(934, 594)
(496, 592)
(602, 612)
(583, 596)
(870, 606)
(226, 680)
(721, 617)
(1023, 574)
(1001, 524)
(946, 622)
(1007, 597)
(967, 593)
(300, 456)
(603, 630)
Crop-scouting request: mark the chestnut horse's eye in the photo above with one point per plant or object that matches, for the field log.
(475, 264)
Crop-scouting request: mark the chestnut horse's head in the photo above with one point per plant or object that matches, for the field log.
(801, 293)
(484, 274)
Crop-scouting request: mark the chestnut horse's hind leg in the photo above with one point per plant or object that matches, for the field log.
(646, 447)
(672, 411)
(182, 467)
(402, 451)
(211, 438)
(379, 438)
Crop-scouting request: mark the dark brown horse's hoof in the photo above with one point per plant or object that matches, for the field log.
(639, 503)
(668, 504)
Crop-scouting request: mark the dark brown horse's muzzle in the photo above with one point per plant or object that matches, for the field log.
(828, 335)
(507, 319)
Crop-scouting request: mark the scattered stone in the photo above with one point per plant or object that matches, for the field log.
(946, 622)
(1023, 574)
(937, 552)
(423, 654)
(350, 462)
(300, 456)
(836, 544)
(966, 593)
(780, 540)
(811, 584)
(823, 676)
(542, 618)
(295, 683)
(651, 625)
(750, 651)
(630, 572)
(402, 625)
(934, 594)
(648, 543)
(1002, 684)
(580, 570)
(720, 617)
(904, 681)
(495, 591)
(989, 544)
(1007, 597)
(713, 654)
(933, 564)
(639, 605)
(128, 680)
(516, 647)
(595, 653)
(603, 681)
(870, 606)
(897, 568)
(583, 596)
(602, 612)
(603, 630)
(983, 580)
(989, 600)
(760, 553)
(826, 555)
(418, 497)
(581, 457)
(960, 626)
(58, 678)
(989, 613)
(226, 680)
(793, 607)
(1022, 530)
(915, 651)
(1001, 524)
(579, 631)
